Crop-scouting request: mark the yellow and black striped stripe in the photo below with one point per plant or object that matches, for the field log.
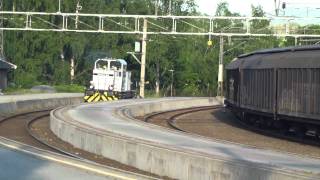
(93, 97)
(86, 98)
(115, 98)
(99, 97)
(103, 97)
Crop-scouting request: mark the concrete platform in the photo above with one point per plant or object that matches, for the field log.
(25, 97)
(18, 161)
(109, 129)
(13, 104)
(16, 165)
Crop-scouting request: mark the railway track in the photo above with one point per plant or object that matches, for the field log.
(32, 129)
(18, 128)
(246, 125)
(219, 124)
(176, 113)
(15, 128)
(210, 122)
(40, 140)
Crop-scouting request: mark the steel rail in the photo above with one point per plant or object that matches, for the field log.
(28, 127)
(270, 133)
(171, 120)
(21, 114)
(147, 117)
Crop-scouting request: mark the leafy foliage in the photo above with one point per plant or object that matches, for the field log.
(44, 57)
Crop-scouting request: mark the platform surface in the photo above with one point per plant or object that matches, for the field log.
(17, 165)
(102, 116)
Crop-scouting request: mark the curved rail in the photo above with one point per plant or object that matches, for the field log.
(32, 135)
(171, 120)
(28, 127)
(193, 109)
(22, 114)
(267, 132)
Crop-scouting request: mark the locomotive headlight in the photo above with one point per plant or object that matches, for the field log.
(91, 85)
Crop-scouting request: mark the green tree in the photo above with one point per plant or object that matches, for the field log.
(44, 57)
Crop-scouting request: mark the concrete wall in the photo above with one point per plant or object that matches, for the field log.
(158, 159)
(144, 109)
(15, 104)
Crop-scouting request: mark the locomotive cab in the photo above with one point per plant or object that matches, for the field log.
(110, 80)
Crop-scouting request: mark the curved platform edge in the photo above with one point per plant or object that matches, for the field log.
(158, 158)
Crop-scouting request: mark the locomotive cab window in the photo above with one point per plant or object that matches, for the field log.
(115, 65)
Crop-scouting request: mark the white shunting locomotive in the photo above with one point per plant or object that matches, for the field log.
(110, 81)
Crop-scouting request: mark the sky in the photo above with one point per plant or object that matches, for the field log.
(294, 7)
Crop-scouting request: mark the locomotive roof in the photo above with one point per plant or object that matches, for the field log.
(122, 61)
(290, 57)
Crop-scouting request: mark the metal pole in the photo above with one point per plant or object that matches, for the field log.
(171, 89)
(72, 70)
(76, 22)
(171, 86)
(158, 78)
(275, 7)
(220, 73)
(170, 6)
(143, 57)
(172, 83)
(1, 31)
(156, 8)
(78, 8)
(59, 11)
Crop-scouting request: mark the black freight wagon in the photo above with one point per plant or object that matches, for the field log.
(276, 85)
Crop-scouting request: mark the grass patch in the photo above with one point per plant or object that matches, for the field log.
(70, 88)
(73, 88)
(14, 90)
(151, 94)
